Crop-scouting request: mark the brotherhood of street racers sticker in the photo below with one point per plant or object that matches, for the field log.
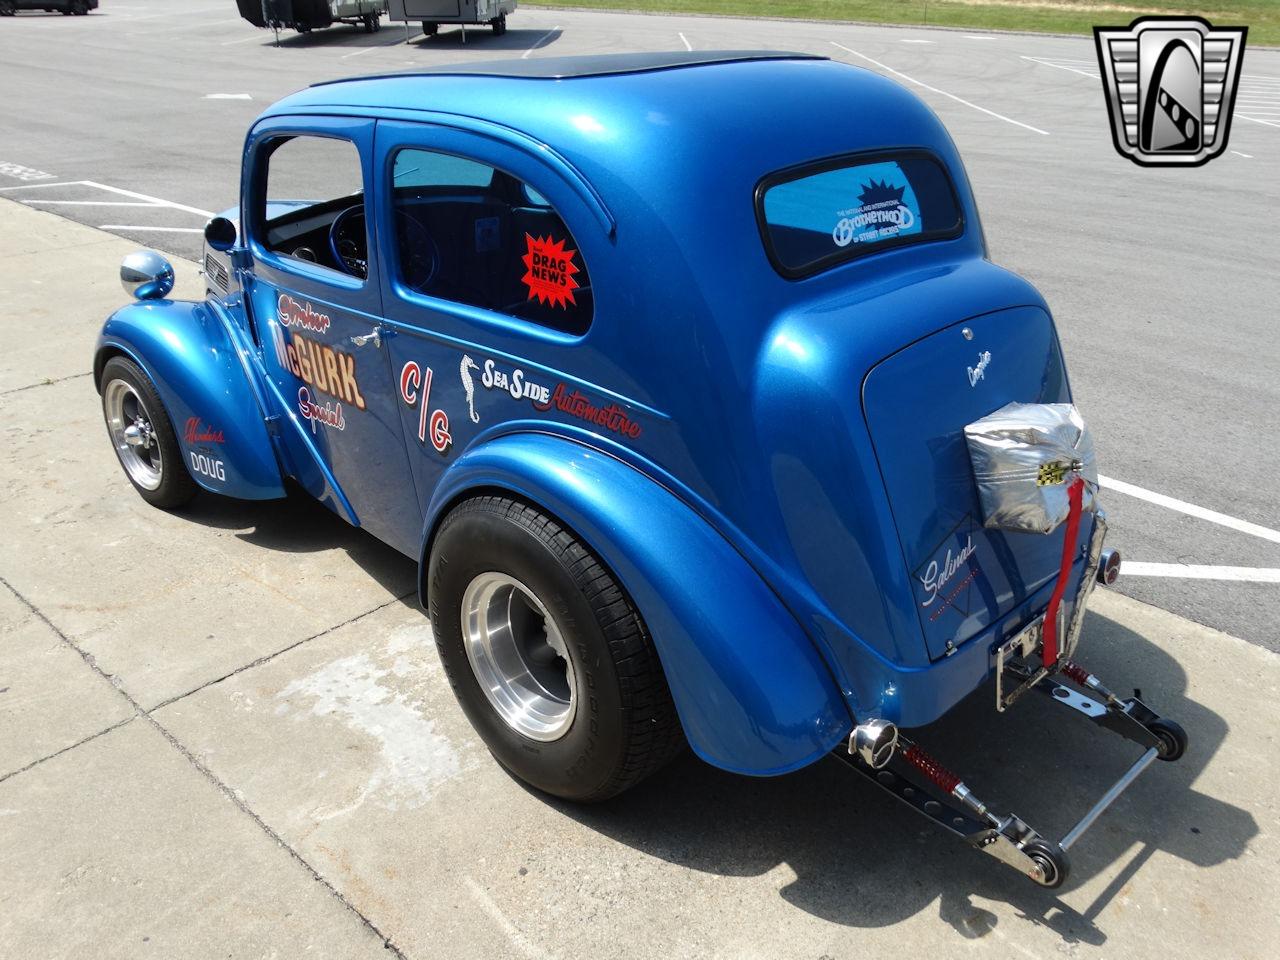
(887, 208)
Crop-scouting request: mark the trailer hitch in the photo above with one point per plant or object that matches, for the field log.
(881, 753)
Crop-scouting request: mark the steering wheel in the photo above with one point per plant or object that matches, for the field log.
(420, 257)
(347, 241)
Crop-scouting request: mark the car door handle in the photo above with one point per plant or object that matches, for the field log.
(374, 336)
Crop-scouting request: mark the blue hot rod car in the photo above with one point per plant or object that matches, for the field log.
(687, 382)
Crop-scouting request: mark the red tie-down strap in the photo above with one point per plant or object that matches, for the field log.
(1075, 495)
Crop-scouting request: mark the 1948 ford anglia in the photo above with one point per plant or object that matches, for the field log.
(686, 380)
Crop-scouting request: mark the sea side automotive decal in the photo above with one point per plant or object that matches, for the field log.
(208, 466)
(415, 390)
(980, 371)
(469, 386)
(199, 432)
(300, 315)
(319, 366)
(945, 579)
(887, 208)
(577, 404)
(514, 382)
(549, 270)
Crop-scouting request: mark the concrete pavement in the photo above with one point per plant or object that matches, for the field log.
(224, 732)
(1162, 282)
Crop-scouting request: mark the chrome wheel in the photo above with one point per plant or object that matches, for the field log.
(130, 425)
(518, 656)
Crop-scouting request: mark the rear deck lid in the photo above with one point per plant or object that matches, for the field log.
(917, 402)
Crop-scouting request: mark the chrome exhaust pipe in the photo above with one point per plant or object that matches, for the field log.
(874, 742)
(1109, 567)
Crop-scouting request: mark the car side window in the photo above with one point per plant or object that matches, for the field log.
(474, 234)
(314, 205)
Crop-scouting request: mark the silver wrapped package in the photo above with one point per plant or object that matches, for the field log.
(1022, 456)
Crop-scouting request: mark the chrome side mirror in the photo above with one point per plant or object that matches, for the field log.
(146, 275)
(220, 234)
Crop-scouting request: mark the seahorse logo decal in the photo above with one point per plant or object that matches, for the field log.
(468, 385)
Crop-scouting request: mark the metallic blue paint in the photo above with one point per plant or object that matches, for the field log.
(753, 693)
(795, 468)
(189, 351)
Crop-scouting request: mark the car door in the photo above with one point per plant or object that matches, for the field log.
(488, 292)
(317, 307)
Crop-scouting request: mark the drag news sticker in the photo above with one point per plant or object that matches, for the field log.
(549, 270)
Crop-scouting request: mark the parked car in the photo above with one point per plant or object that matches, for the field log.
(432, 13)
(307, 15)
(66, 7)
(688, 384)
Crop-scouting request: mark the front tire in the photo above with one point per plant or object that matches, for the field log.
(547, 656)
(430, 29)
(143, 437)
(499, 24)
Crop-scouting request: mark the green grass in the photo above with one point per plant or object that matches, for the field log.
(1052, 16)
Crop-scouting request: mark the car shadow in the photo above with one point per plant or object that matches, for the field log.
(481, 39)
(301, 524)
(862, 859)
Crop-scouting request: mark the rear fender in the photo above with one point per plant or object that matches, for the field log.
(190, 354)
(753, 694)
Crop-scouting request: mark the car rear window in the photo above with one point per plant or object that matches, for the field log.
(817, 216)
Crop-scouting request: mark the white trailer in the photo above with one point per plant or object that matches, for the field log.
(307, 15)
(432, 13)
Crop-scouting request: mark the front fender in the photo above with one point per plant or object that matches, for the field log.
(753, 694)
(190, 355)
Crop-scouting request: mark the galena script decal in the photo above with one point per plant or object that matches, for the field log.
(937, 576)
(980, 371)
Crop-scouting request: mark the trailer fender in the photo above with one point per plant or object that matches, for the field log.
(753, 694)
(191, 356)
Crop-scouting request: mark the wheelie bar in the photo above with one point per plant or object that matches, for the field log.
(879, 752)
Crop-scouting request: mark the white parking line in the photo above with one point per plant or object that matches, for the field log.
(545, 36)
(919, 83)
(137, 226)
(89, 203)
(1061, 64)
(155, 200)
(229, 96)
(1247, 156)
(904, 40)
(975, 37)
(254, 36)
(1196, 571)
(1191, 510)
(377, 46)
(683, 39)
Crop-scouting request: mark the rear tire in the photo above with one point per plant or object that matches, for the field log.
(8, 8)
(154, 464)
(430, 29)
(546, 654)
(79, 8)
(499, 24)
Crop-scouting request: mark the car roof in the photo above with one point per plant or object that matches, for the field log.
(595, 65)
(680, 135)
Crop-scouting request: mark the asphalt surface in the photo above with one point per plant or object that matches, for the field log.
(1163, 283)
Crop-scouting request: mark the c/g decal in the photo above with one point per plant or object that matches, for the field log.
(415, 390)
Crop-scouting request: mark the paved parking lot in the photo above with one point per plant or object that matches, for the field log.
(1163, 282)
(225, 732)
